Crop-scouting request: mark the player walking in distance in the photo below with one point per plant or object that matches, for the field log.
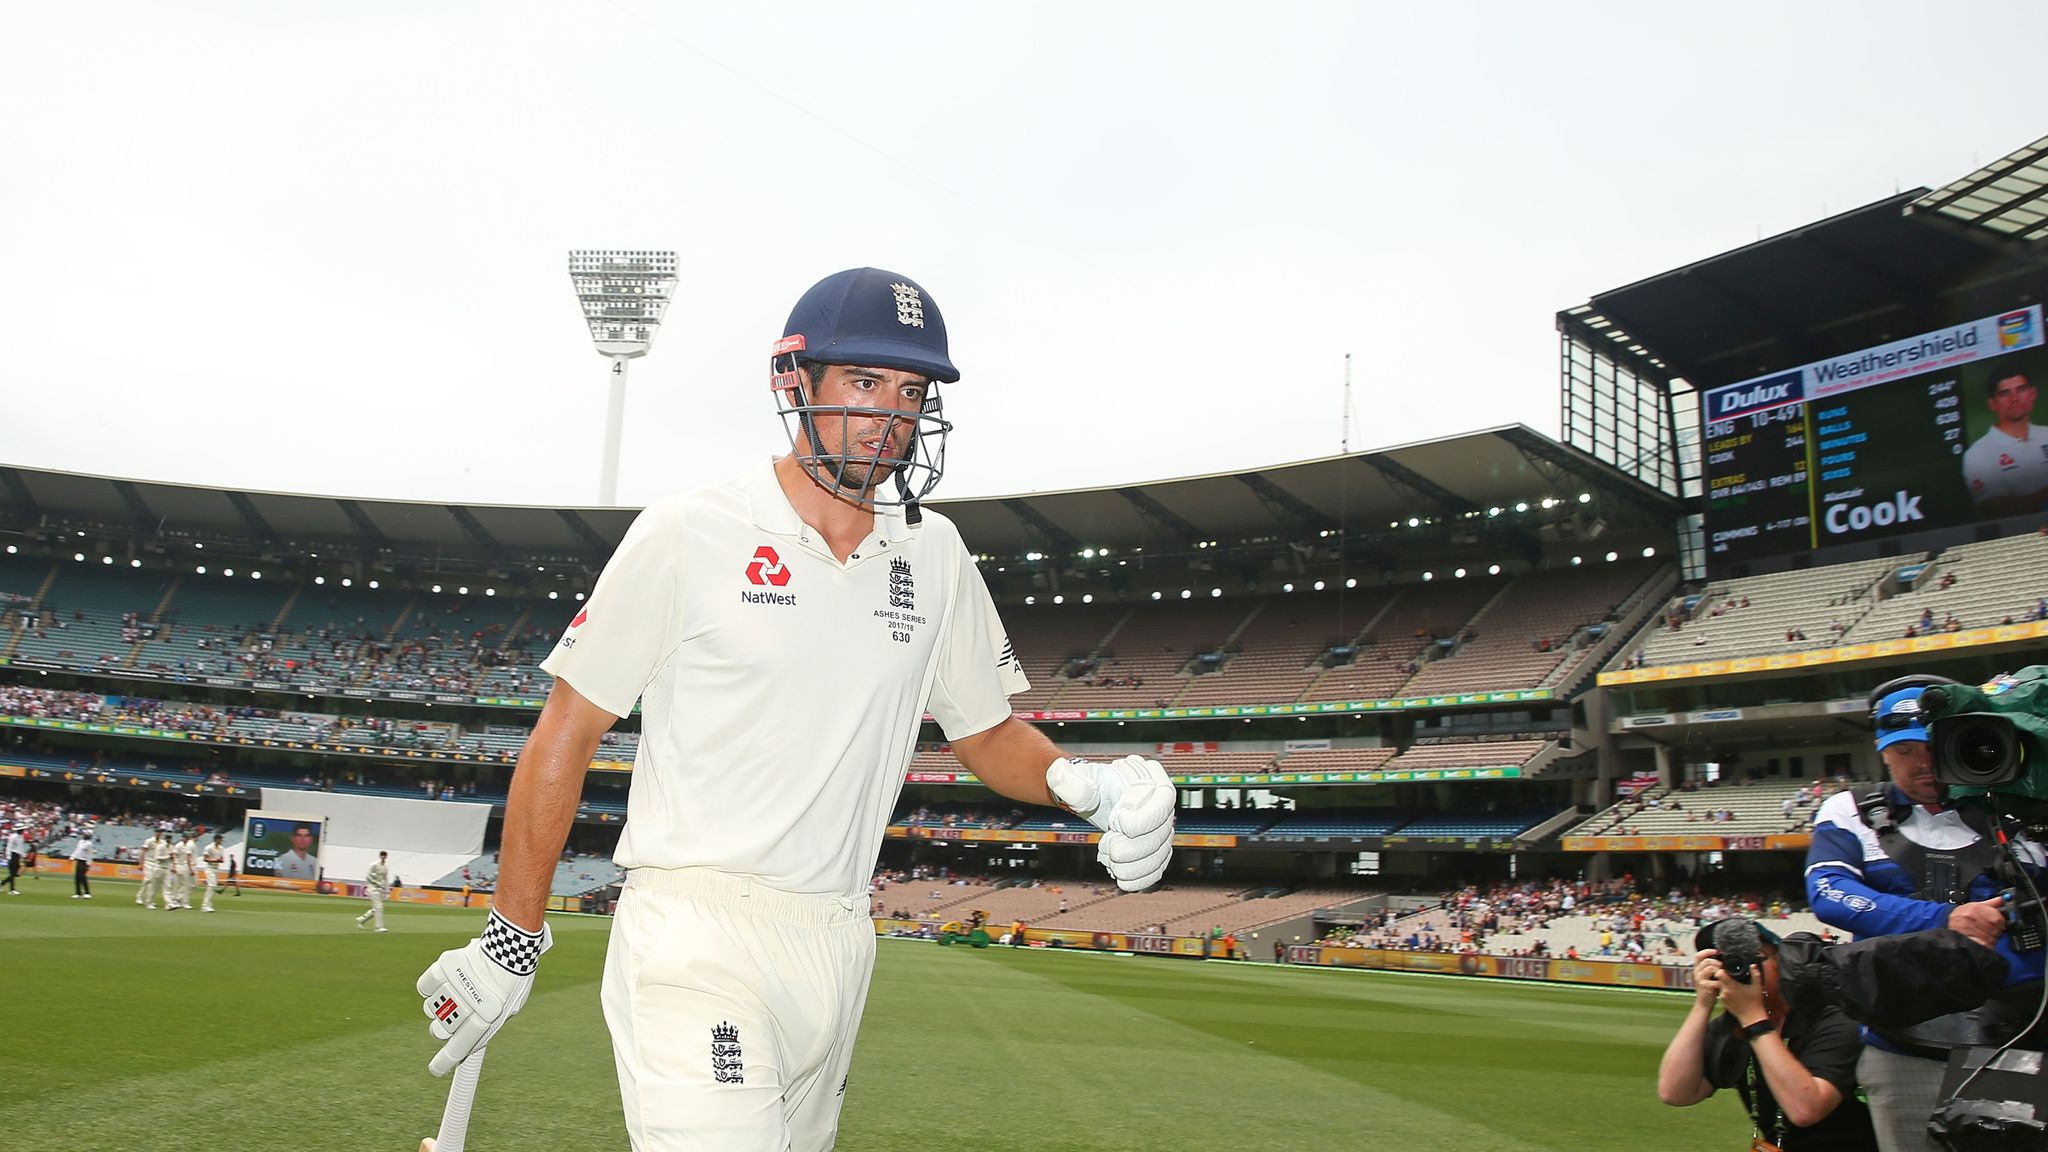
(784, 631)
(210, 861)
(17, 849)
(156, 860)
(376, 885)
(180, 892)
(81, 866)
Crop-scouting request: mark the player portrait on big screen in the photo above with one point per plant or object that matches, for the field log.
(2005, 464)
(283, 845)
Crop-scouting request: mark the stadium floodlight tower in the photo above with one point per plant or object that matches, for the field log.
(624, 293)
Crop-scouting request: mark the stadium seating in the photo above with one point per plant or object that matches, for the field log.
(1529, 634)
(1145, 662)
(1393, 645)
(1335, 760)
(1753, 616)
(1341, 822)
(1277, 654)
(1472, 754)
(1508, 822)
(1759, 809)
(1994, 582)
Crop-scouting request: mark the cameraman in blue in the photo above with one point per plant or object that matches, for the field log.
(1899, 857)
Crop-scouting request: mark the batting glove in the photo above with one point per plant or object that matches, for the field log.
(1132, 801)
(471, 991)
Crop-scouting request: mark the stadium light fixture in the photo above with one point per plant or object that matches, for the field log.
(1319, 585)
(1493, 511)
(1287, 587)
(199, 544)
(1428, 576)
(579, 595)
(1521, 505)
(1351, 582)
(373, 584)
(490, 591)
(1649, 552)
(106, 559)
(78, 556)
(624, 293)
(1031, 599)
(1059, 599)
(319, 579)
(255, 575)
(462, 590)
(1459, 573)
(1156, 595)
(1578, 560)
(134, 563)
(552, 595)
(200, 568)
(437, 587)
(1613, 556)
(1585, 497)
(227, 571)
(11, 550)
(346, 582)
(1215, 592)
(1493, 569)
(1087, 597)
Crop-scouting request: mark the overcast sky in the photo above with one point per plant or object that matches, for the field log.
(321, 246)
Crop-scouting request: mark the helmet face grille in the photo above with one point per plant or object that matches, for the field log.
(872, 478)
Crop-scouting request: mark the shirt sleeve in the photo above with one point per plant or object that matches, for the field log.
(1981, 471)
(616, 643)
(978, 670)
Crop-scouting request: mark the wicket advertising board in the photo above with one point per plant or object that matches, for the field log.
(1927, 432)
(283, 844)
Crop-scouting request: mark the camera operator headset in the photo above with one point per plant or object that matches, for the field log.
(1899, 857)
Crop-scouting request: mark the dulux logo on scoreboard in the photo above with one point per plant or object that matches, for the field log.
(1930, 351)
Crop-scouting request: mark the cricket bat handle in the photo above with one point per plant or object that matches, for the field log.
(455, 1116)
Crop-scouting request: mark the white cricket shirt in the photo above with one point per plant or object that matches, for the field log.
(781, 690)
(2000, 464)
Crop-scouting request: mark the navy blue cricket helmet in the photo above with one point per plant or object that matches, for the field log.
(874, 319)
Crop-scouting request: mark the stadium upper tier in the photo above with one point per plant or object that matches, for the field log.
(1965, 586)
(1745, 808)
(1536, 630)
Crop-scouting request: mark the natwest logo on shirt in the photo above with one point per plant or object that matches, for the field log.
(767, 568)
(580, 618)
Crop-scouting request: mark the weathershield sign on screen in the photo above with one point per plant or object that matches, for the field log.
(1926, 432)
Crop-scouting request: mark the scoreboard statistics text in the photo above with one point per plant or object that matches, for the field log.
(1898, 438)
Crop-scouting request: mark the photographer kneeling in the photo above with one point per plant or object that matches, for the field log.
(1793, 1062)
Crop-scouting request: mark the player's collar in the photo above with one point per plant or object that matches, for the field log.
(769, 508)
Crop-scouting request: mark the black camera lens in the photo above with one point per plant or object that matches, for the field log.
(1976, 750)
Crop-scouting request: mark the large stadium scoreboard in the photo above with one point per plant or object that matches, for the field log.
(1879, 442)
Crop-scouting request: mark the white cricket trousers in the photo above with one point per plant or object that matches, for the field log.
(211, 877)
(376, 911)
(152, 884)
(733, 1009)
(179, 894)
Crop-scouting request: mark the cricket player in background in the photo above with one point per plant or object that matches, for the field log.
(156, 861)
(377, 885)
(784, 630)
(211, 860)
(17, 848)
(179, 894)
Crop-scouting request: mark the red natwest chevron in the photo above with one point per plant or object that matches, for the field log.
(767, 568)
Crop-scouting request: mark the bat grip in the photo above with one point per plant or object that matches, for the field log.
(461, 1094)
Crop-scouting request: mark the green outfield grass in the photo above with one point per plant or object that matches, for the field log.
(276, 1024)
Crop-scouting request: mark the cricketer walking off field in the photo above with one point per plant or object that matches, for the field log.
(784, 631)
(156, 862)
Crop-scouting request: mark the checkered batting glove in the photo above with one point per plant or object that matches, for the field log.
(1132, 801)
(471, 991)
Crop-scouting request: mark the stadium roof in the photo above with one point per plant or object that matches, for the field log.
(1443, 479)
(2007, 197)
(1909, 263)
